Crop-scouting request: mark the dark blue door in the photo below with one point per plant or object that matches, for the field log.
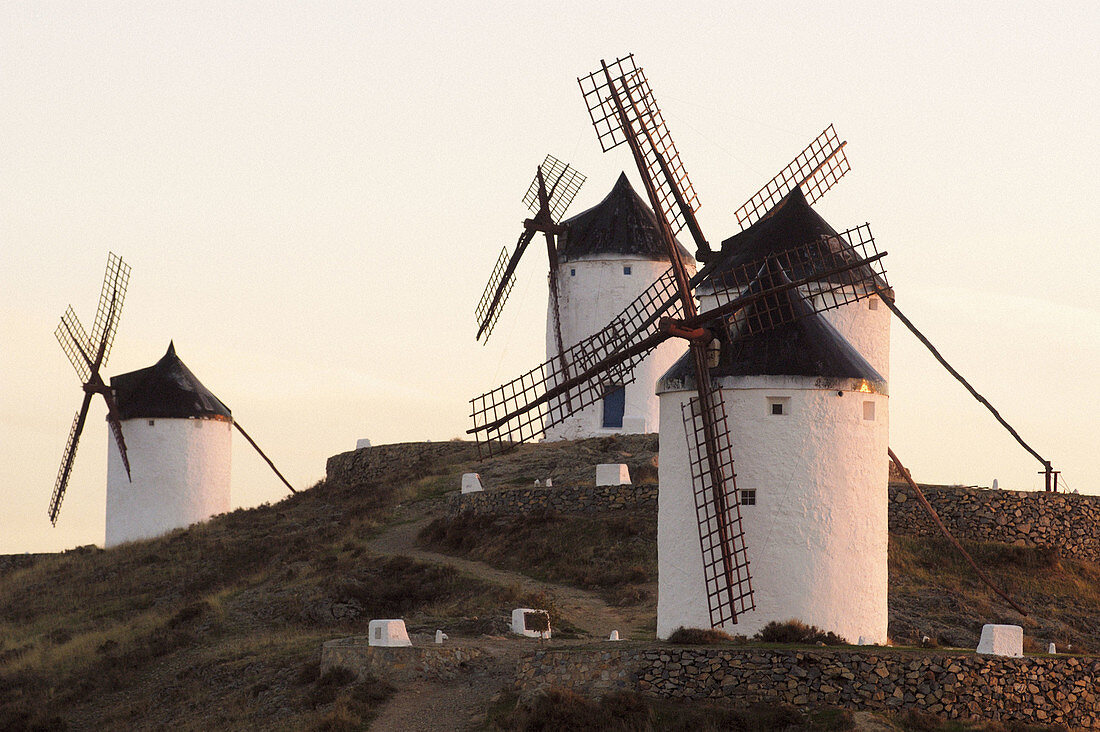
(614, 403)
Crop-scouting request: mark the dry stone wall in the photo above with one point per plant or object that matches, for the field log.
(403, 460)
(557, 499)
(1069, 523)
(1046, 690)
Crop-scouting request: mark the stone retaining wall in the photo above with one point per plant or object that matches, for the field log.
(1067, 522)
(1047, 690)
(558, 499)
(399, 664)
(394, 462)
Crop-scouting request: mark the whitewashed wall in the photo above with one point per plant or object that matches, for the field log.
(817, 536)
(588, 300)
(181, 473)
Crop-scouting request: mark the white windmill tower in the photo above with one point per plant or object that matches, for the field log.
(171, 463)
(607, 257)
(810, 418)
(179, 439)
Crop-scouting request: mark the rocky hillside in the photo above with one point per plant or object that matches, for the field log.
(220, 625)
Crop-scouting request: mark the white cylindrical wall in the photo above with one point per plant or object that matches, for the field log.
(592, 291)
(817, 536)
(864, 323)
(180, 470)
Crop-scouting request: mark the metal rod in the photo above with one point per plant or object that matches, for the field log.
(959, 377)
(936, 519)
(265, 457)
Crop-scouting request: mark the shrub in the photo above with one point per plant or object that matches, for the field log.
(795, 631)
(701, 637)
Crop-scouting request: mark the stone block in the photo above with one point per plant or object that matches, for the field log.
(388, 633)
(531, 623)
(471, 483)
(360, 444)
(1002, 640)
(612, 474)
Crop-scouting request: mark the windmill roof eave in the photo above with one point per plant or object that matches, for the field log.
(166, 390)
(621, 224)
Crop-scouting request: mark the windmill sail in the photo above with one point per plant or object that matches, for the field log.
(549, 195)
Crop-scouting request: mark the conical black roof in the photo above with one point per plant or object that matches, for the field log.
(790, 223)
(620, 224)
(804, 345)
(167, 389)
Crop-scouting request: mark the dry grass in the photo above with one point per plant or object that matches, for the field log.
(612, 553)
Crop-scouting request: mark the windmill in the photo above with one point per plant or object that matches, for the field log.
(551, 191)
(88, 354)
(623, 110)
(182, 475)
(836, 269)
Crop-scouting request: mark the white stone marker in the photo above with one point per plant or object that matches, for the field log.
(440, 636)
(1002, 640)
(390, 633)
(531, 623)
(1051, 649)
(471, 483)
(549, 483)
(360, 444)
(614, 636)
(612, 474)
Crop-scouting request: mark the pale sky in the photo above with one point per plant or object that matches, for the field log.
(312, 196)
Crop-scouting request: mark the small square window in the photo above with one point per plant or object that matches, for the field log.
(626, 270)
(872, 303)
(779, 405)
(572, 273)
(777, 408)
(869, 411)
(748, 498)
(152, 422)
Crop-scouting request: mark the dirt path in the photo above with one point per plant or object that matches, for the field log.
(435, 705)
(586, 610)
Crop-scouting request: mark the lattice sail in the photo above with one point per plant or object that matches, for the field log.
(832, 271)
(75, 343)
(624, 83)
(491, 304)
(718, 511)
(115, 282)
(67, 458)
(520, 410)
(562, 182)
(815, 169)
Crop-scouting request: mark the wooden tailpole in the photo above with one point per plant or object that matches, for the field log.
(265, 457)
(936, 518)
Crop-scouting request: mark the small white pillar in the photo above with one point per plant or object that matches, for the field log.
(531, 623)
(389, 633)
(612, 474)
(471, 483)
(1002, 640)
(549, 483)
(1051, 649)
(994, 484)
(440, 636)
(614, 636)
(538, 483)
(360, 444)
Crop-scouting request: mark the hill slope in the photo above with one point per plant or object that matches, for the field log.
(220, 625)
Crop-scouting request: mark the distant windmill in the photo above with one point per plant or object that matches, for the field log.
(88, 354)
(181, 471)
